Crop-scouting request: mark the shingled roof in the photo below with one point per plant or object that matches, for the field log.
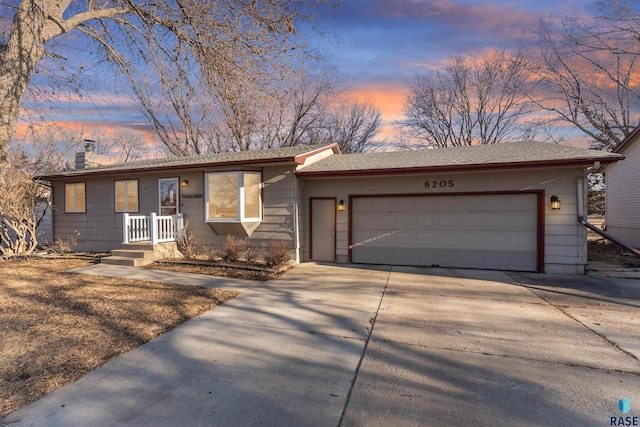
(477, 157)
(293, 155)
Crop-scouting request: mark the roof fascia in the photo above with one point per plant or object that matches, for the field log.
(297, 159)
(89, 172)
(627, 140)
(459, 168)
(301, 158)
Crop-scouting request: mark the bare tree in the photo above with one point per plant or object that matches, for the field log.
(23, 204)
(128, 146)
(231, 31)
(264, 112)
(53, 147)
(589, 67)
(353, 125)
(471, 102)
(169, 92)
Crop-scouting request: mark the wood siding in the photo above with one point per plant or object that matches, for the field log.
(100, 227)
(623, 196)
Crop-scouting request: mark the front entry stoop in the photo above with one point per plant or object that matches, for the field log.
(142, 253)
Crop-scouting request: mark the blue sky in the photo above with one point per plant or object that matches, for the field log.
(378, 47)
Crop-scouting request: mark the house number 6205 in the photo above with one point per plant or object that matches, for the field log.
(439, 184)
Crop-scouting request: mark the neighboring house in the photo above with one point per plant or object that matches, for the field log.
(485, 206)
(45, 228)
(622, 203)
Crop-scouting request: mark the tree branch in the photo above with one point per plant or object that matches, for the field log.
(56, 26)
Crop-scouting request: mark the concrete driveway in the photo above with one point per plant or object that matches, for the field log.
(464, 347)
(448, 347)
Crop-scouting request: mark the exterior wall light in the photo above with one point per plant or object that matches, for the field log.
(341, 206)
(185, 182)
(555, 202)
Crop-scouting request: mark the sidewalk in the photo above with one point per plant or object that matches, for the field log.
(603, 269)
(137, 273)
(283, 352)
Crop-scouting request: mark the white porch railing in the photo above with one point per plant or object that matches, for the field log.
(152, 227)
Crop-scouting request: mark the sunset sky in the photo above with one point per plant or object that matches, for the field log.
(378, 47)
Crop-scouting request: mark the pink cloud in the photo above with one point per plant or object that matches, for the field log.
(465, 17)
(87, 127)
(389, 99)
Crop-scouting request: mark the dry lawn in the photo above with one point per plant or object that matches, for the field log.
(605, 251)
(55, 326)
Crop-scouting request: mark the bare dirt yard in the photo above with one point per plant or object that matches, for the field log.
(600, 249)
(605, 251)
(56, 326)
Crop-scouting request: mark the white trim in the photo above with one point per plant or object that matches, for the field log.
(240, 175)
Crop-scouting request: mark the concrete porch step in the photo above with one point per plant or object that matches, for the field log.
(121, 260)
(142, 253)
(139, 246)
(133, 253)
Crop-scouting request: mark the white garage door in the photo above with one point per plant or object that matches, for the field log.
(472, 231)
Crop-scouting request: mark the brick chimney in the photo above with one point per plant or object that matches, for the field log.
(88, 158)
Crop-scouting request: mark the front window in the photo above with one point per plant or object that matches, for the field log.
(74, 198)
(127, 196)
(233, 196)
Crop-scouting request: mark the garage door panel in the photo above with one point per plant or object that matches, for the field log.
(448, 238)
(519, 241)
(403, 220)
(448, 221)
(496, 240)
(363, 236)
(424, 204)
(518, 204)
(404, 239)
(495, 202)
(382, 219)
(522, 220)
(478, 231)
(402, 204)
(469, 221)
(426, 221)
(447, 204)
(494, 220)
(426, 238)
(472, 239)
(470, 203)
(371, 205)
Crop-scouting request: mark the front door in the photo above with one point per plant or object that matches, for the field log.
(169, 196)
(323, 230)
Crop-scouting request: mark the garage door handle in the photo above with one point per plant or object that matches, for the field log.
(333, 232)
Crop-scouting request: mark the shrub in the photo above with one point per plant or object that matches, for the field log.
(188, 244)
(233, 249)
(278, 253)
(213, 254)
(251, 253)
(61, 246)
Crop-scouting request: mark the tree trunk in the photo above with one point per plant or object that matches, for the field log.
(18, 59)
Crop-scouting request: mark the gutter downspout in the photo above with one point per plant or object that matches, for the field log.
(580, 192)
(609, 237)
(582, 214)
(296, 216)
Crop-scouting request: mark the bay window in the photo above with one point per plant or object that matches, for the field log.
(233, 197)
